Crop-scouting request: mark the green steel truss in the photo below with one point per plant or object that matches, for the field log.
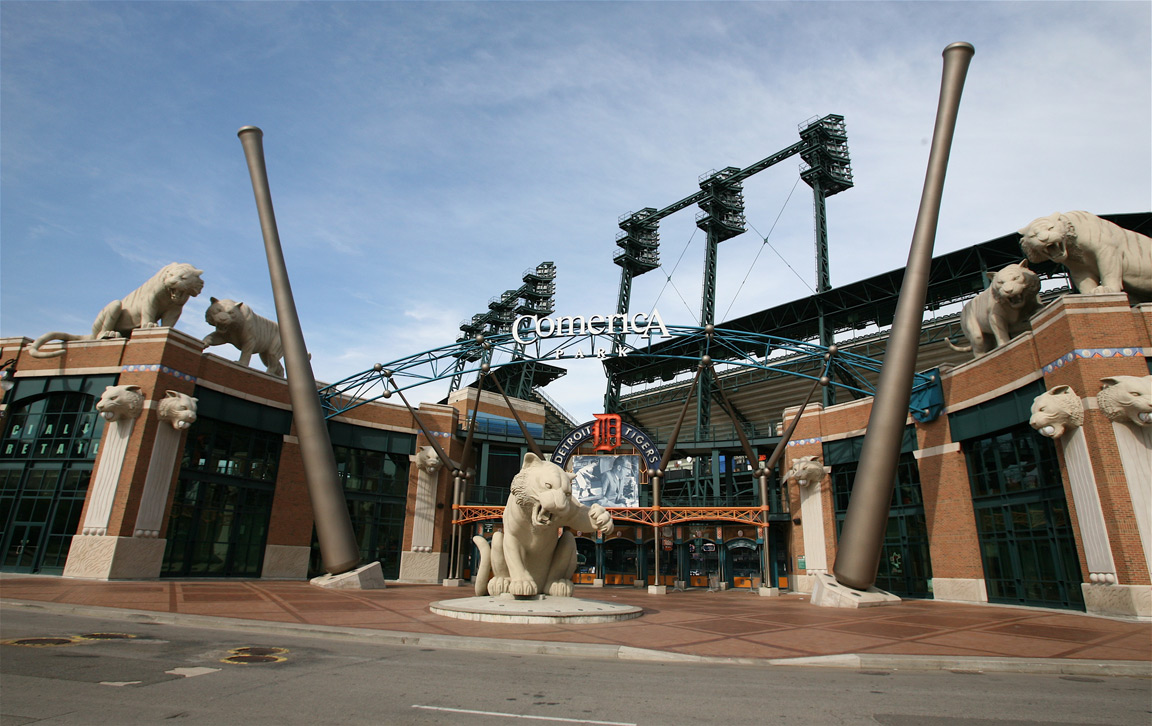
(729, 350)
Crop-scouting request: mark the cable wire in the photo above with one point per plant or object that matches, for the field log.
(769, 244)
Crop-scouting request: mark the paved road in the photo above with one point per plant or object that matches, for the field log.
(173, 673)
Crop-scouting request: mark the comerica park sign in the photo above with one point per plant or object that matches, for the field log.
(529, 328)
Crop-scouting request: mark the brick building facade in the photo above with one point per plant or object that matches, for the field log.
(985, 509)
(1003, 513)
(138, 498)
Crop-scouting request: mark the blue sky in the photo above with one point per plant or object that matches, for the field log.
(423, 155)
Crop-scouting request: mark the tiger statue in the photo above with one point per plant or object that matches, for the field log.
(1001, 311)
(120, 403)
(1101, 257)
(178, 409)
(1126, 399)
(1056, 412)
(156, 303)
(237, 324)
(806, 471)
(535, 553)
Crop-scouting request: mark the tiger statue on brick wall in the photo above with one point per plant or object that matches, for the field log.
(237, 324)
(1126, 399)
(1100, 256)
(1056, 412)
(1000, 312)
(806, 471)
(156, 303)
(120, 403)
(178, 409)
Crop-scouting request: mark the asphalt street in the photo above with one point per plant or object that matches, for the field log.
(65, 669)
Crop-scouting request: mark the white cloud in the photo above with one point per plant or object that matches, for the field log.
(423, 155)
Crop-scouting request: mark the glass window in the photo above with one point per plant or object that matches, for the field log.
(48, 447)
(1027, 543)
(231, 450)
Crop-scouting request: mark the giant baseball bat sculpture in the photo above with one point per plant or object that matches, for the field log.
(862, 537)
(338, 548)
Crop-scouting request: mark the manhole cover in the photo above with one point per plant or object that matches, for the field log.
(258, 650)
(252, 659)
(107, 636)
(40, 642)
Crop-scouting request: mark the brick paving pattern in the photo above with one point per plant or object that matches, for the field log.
(732, 623)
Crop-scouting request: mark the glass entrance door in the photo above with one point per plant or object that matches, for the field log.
(703, 564)
(743, 563)
(21, 553)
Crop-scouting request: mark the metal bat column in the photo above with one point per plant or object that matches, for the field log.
(338, 547)
(862, 537)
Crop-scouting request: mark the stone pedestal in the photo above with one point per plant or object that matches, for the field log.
(536, 609)
(803, 583)
(598, 582)
(115, 558)
(1127, 601)
(423, 567)
(828, 593)
(367, 577)
(454, 582)
(959, 589)
(285, 562)
(657, 589)
(769, 592)
(680, 584)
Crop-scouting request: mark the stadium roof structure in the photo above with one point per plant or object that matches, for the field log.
(954, 276)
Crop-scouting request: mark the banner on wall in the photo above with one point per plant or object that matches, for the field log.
(621, 432)
(607, 480)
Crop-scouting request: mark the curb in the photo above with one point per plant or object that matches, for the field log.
(851, 661)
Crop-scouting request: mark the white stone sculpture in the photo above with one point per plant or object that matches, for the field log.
(1056, 412)
(529, 557)
(806, 471)
(156, 303)
(237, 324)
(120, 403)
(1101, 256)
(1127, 398)
(177, 409)
(427, 461)
(1000, 312)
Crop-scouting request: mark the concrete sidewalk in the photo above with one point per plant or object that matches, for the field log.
(733, 626)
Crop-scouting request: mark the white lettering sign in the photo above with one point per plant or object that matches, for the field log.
(527, 328)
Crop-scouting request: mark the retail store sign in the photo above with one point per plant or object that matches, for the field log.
(529, 328)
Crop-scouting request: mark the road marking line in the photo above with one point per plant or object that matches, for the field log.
(520, 715)
(191, 672)
(120, 683)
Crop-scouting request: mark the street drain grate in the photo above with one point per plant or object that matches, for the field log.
(254, 655)
(106, 636)
(40, 642)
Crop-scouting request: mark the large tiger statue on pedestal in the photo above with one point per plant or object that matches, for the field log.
(531, 556)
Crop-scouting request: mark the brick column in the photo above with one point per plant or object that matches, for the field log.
(953, 542)
(1082, 339)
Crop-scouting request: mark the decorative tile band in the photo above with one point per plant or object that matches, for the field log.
(162, 369)
(803, 442)
(1092, 353)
